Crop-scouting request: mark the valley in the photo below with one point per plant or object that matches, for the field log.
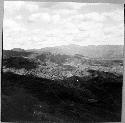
(55, 86)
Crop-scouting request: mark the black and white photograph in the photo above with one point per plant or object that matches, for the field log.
(62, 62)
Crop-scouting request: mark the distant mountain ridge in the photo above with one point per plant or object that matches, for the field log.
(91, 51)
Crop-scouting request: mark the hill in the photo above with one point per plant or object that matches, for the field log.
(91, 51)
(91, 99)
(62, 84)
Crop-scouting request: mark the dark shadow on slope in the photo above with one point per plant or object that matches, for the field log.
(20, 62)
(92, 99)
(11, 53)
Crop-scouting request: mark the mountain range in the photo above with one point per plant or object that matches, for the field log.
(91, 51)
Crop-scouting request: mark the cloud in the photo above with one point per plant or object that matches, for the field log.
(37, 25)
(19, 5)
(32, 7)
(14, 8)
(13, 5)
(94, 16)
(73, 5)
(18, 17)
(40, 16)
(116, 15)
(10, 24)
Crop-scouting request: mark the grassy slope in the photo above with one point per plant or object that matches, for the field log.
(32, 98)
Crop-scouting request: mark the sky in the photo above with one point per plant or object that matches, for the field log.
(34, 25)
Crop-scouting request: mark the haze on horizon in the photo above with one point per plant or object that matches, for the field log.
(34, 25)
